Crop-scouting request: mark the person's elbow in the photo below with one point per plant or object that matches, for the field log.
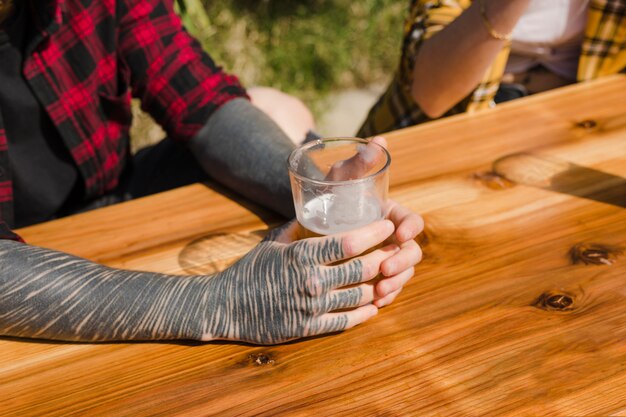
(431, 102)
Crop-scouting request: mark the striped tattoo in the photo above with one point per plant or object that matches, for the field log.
(277, 292)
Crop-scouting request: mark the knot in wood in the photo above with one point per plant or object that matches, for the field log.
(261, 359)
(594, 254)
(493, 180)
(588, 124)
(559, 301)
(554, 301)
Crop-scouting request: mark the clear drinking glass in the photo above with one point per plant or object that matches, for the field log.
(338, 184)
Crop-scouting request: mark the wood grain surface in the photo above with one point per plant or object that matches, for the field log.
(518, 308)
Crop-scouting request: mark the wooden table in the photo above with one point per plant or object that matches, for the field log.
(519, 307)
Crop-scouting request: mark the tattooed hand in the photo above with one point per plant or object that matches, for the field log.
(287, 288)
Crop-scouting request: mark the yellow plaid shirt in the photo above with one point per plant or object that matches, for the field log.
(603, 52)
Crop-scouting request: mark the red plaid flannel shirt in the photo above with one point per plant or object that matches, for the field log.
(88, 57)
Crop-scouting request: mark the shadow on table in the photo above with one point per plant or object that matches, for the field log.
(552, 174)
(268, 217)
(216, 251)
(189, 343)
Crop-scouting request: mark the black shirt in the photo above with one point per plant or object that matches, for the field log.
(44, 174)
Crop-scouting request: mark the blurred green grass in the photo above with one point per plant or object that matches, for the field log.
(304, 47)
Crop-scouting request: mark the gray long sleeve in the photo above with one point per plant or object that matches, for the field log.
(243, 149)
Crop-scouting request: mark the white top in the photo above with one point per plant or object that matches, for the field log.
(549, 33)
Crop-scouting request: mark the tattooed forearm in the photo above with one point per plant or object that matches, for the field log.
(275, 293)
(47, 294)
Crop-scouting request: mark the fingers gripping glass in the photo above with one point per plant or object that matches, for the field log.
(338, 184)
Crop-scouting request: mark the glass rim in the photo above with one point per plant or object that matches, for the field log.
(330, 140)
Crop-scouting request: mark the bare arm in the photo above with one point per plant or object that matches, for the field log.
(450, 64)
